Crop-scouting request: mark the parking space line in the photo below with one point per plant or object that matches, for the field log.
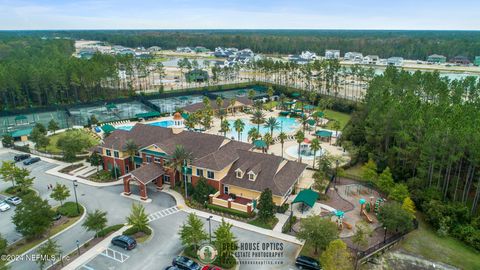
(115, 255)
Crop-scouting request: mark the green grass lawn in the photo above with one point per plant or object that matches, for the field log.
(52, 146)
(342, 118)
(266, 225)
(426, 243)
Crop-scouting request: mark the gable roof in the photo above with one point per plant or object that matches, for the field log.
(270, 176)
(223, 157)
(148, 173)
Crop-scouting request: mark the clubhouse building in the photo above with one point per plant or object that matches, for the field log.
(233, 168)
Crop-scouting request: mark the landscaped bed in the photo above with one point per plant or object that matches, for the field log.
(52, 146)
(71, 168)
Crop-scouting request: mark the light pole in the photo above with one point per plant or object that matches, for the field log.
(78, 247)
(385, 235)
(210, 227)
(75, 185)
(336, 173)
(114, 163)
(184, 169)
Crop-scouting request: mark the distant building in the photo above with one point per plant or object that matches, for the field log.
(371, 59)
(395, 61)
(304, 58)
(196, 75)
(477, 61)
(437, 59)
(332, 54)
(200, 49)
(185, 49)
(86, 53)
(239, 57)
(353, 56)
(460, 60)
(154, 49)
(225, 52)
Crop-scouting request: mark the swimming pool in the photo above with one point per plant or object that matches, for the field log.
(164, 123)
(287, 125)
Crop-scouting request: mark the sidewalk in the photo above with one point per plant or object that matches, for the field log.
(94, 251)
(282, 218)
(56, 172)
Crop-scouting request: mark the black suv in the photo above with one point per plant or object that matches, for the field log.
(21, 157)
(304, 262)
(185, 263)
(125, 242)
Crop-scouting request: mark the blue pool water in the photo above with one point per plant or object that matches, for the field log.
(164, 123)
(287, 125)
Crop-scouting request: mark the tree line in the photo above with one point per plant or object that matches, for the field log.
(385, 43)
(425, 129)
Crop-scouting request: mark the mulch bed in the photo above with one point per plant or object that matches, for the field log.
(70, 168)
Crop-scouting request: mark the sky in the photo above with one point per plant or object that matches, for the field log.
(246, 14)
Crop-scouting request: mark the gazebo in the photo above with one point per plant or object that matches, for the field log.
(147, 115)
(324, 135)
(108, 128)
(306, 197)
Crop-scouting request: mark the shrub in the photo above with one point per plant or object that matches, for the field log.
(230, 211)
(69, 209)
(287, 226)
(18, 191)
(109, 230)
(282, 209)
(133, 230)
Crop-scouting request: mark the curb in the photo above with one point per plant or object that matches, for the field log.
(53, 236)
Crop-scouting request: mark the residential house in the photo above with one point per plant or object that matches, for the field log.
(460, 60)
(185, 49)
(395, 61)
(436, 59)
(225, 52)
(353, 56)
(332, 54)
(371, 59)
(303, 58)
(200, 49)
(154, 49)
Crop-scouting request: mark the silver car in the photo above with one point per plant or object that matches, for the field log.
(4, 206)
(14, 200)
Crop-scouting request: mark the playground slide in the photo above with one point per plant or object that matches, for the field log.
(348, 225)
(367, 216)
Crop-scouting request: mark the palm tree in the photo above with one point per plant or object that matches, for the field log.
(191, 121)
(221, 114)
(219, 102)
(224, 127)
(304, 121)
(336, 126)
(131, 149)
(268, 139)
(251, 94)
(272, 124)
(232, 105)
(299, 136)
(180, 157)
(239, 126)
(253, 134)
(258, 118)
(282, 136)
(315, 146)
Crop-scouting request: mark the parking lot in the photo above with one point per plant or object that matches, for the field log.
(158, 252)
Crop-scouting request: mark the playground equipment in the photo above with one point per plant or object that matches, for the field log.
(340, 222)
(363, 211)
(378, 203)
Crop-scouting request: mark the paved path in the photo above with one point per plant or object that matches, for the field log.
(282, 218)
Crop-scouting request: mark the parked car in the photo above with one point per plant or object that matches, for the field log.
(171, 267)
(125, 242)
(185, 263)
(14, 200)
(4, 206)
(211, 267)
(57, 216)
(21, 157)
(304, 262)
(31, 161)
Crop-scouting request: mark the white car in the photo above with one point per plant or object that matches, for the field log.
(14, 200)
(4, 206)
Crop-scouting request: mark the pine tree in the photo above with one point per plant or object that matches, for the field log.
(225, 243)
(192, 233)
(336, 256)
(266, 206)
(409, 206)
(60, 192)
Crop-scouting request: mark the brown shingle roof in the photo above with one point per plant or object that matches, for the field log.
(223, 157)
(148, 173)
(268, 177)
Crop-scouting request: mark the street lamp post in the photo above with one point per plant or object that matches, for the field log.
(336, 172)
(210, 227)
(184, 169)
(385, 235)
(78, 247)
(75, 185)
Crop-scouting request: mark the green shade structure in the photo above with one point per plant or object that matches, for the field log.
(289, 103)
(108, 128)
(296, 95)
(111, 106)
(20, 118)
(324, 133)
(183, 98)
(21, 132)
(306, 196)
(260, 144)
(185, 115)
(309, 107)
(147, 115)
(319, 114)
(311, 122)
(362, 201)
(284, 113)
(298, 110)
